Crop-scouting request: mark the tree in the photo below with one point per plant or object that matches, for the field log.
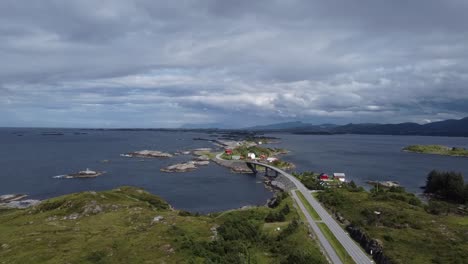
(448, 186)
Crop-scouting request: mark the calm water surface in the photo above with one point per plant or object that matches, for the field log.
(372, 157)
(29, 162)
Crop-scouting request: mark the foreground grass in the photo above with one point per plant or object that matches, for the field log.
(117, 227)
(406, 231)
(437, 149)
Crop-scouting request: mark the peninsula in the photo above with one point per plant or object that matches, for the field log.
(130, 225)
(437, 149)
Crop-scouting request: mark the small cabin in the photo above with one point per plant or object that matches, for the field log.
(339, 176)
(271, 159)
(251, 155)
(228, 151)
(324, 177)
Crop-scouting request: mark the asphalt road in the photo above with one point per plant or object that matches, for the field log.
(322, 239)
(356, 253)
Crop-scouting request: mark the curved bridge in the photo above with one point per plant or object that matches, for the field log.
(253, 166)
(356, 253)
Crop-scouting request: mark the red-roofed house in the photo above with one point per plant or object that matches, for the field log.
(324, 177)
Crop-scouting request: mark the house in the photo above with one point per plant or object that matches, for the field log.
(228, 151)
(271, 159)
(339, 176)
(251, 155)
(236, 157)
(263, 157)
(324, 177)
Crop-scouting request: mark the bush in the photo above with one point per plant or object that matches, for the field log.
(278, 216)
(448, 186)
(184, 213)
(50, 205)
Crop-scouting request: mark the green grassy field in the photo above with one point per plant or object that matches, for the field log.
(117, 226)
(437, 149)
(403, 225)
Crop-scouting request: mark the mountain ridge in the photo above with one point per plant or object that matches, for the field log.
(449, 127)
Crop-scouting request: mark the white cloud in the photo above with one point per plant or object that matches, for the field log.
(214, 62)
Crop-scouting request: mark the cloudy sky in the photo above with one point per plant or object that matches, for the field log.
(148, 63)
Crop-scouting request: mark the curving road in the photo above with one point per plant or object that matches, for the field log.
(356, 253)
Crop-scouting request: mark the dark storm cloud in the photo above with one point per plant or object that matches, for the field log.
(159, 63)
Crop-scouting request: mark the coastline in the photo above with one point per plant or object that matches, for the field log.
(434, 153)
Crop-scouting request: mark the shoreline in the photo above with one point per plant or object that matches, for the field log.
(434, 153)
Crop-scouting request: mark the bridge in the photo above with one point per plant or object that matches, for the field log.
(253, 166)
(354, 251)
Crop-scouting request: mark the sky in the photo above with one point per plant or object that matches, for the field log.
(147, 63)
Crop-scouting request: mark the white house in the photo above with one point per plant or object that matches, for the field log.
(340, 176)
(251, 155)
(271, 159)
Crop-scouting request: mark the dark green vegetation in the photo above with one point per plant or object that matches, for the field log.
(447, 193)
(309, 179)
(437, 149)
(448, 186)
(252, 236)
(401, 224)
(129, 225)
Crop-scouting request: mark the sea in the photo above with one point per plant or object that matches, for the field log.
(373, 157)
(31, 158)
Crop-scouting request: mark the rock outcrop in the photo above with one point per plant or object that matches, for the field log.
(180, 167)
(149, 154)
(371, 246)
(16, 201)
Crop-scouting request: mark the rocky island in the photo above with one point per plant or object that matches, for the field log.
(186, 166)
(81, 174)
(438, 150)
(148, 154)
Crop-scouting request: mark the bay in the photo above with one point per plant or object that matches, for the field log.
(372, 157)
(29, 162)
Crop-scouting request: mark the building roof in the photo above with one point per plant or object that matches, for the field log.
(339, 174)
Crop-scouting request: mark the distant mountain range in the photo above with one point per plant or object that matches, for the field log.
(290, 125)
(450, 127)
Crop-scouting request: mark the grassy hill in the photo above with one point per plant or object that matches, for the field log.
(402, 224)
(129, 225)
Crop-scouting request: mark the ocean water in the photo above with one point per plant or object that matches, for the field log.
(372, 157)
(29, 162)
